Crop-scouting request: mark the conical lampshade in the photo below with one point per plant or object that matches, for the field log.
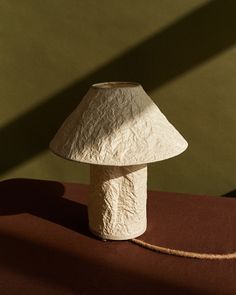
(117, 124)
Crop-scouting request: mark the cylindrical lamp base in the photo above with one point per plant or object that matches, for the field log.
(117, 201)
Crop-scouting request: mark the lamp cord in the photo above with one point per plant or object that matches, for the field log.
(181, 253)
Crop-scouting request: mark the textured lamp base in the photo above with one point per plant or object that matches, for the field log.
(117, 238)
(117, 202)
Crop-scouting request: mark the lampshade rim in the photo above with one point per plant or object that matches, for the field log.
(104, 163)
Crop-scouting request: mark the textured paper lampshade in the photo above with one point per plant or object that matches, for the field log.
(118, 129)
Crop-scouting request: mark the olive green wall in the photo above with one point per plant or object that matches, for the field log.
(182, 52)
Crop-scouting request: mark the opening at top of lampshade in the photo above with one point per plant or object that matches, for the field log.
(115, 85)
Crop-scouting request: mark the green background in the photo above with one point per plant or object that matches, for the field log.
(182, 52)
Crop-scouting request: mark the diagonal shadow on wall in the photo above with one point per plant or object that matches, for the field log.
(231, 194)
(185, 44)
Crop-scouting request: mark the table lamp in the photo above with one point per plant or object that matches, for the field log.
(117, 129)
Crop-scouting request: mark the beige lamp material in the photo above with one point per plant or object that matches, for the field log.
(118, 129)
(120, 193)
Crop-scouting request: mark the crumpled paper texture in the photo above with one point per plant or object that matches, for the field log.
(117, 126)
(117, 202)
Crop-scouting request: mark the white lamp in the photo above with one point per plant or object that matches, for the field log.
(118, 129)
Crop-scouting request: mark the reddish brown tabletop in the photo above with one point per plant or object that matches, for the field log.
(46, 248)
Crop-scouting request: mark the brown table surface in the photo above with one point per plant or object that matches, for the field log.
(46, 248)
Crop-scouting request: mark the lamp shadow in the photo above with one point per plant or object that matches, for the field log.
(231, 194)
(48, 269)
(43, 199)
